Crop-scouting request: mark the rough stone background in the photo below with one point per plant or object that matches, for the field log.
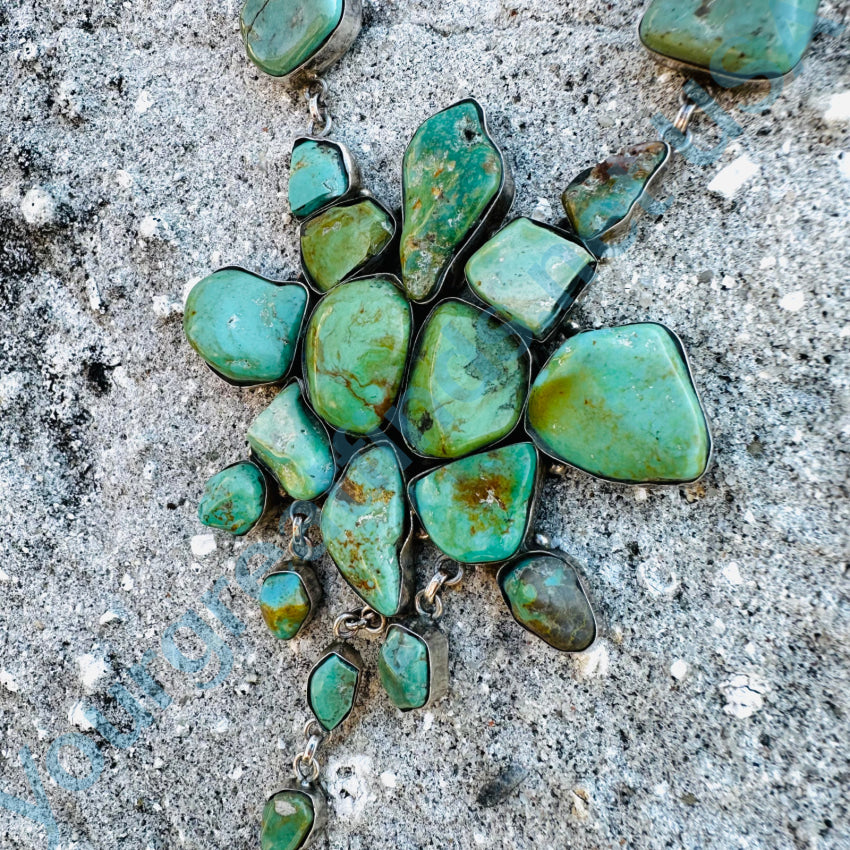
(140, 150)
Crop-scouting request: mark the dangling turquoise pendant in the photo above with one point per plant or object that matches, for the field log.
(413, 664)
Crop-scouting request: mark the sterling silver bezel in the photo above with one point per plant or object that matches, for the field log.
(352, 172)
(309, 582)
(437, 651)
(318, 801)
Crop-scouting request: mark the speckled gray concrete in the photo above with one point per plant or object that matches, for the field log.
(139, 151)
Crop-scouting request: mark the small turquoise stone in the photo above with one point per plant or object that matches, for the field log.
(545, 596)
(476, 509)
(403, 668)
(331, 690)
(284, 604)
(619, 403)
(288, 817)
(529, 274)
(291, 442)
(244, 326)
(234, 499)
(317, 176)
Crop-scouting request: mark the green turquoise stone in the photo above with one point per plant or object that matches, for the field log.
(756, 38)
(545, 596)
(284, 604)
(339, 241)
(403, 668)
(280, 35)
(234, 499)
(451, 173)
(291, 442)
(529, 274)
(619, 403)
(476, 509)
(355, 352)
(287, 820)
(363, 523)
(331, 690)
(317, 176)
(467, 385)
(244, 326)
(601, 197)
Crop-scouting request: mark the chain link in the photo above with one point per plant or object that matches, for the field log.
(306, 765)
(303, 515)
(428, 601)
(320, 117)
(363, 619)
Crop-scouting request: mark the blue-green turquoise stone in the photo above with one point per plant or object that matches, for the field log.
(467, 384)
(280, 35)
(290, 441)
(452, 171)
(619, 403)
(287, 820)
(284, 604)
(756, 38)
(476, 509)
(529, 274)
(243, 325)
(545, 596)
(403, 668)
(234, 499)
(317, 176)
(331, 690)
(355, 351)
(363, 523)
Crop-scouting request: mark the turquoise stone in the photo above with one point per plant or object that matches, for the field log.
(340, 241)
(403, 668)
(545, 596)
(281, 35)
(291, 442)
(331, 689)
(603, 196)
(476, 509)
(363, 524)
(619, 403)
(317, 176)
(234, 499)
(355, 352)
(284, 604)
(467, 385)
(529, 274)
(244, 326)
(733, 39)
(452, 171)
(287, 820)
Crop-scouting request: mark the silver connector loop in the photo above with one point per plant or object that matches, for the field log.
(428, 602)
(306, 765)
(320, 118)
(303, 515)
(363, 619)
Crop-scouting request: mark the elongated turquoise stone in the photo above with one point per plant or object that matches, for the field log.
(280, 35)
(287, 820)
(363, 523)
(317, 176)
(757, 38)
(288, 439)
(602, 196)
(331, 690)
(529, 274)
(403, 668)
(545, 596)
(355, 352)
(339, 241)
(619, 403)
(467, 384)
(243, 325)
(451, 173)
(234, 499)
(476, 509)
(284, 604)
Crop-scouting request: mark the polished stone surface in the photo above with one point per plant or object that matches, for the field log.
(619, 403)
(244, 326)
(287, 819)
(355, 351)
(317, 175)
(404, 669)
(451, 173)
(331, 690)
(233, 499)
(284, 604)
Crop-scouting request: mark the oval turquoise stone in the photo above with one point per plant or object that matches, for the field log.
(244, 326)
(287, 820)
(280, 35)
(355, 352)
(293, 445)
(476, 509)
(234, 499)
(619, 403)
(363, 525)
(284, 604)
(467, 385)
(331, 689)
(545, 596)
(403, 668)
(317, 175)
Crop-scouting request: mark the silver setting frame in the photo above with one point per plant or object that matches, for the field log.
(437, 650)
(352, 171)
(351, 656)
(317, 800)
(309, 582)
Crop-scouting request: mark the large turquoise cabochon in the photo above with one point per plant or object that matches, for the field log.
(403, 668)
(331, 690)
(287, 820)
(234, 499)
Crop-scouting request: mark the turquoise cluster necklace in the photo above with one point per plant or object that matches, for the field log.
(414, 401)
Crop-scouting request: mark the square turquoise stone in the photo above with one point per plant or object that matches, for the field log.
(317, 175)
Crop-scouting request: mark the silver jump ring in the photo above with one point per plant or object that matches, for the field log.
(437, 603)
(306, 768)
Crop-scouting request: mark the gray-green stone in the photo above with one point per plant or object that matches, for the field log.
(331, 690)
(404, 668)
(317, 175)
(287, 819)
(234, 498)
